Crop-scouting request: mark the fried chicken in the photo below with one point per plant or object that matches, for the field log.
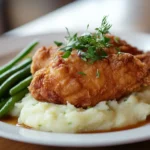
(44, 55)
(121, 45)
(81, 84)
(145, 58)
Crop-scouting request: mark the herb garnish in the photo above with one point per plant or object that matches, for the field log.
(97, 73)
(81, 73)
(118, 49)
(58, 43)
(90, 46)
(116, 39)
(67, 54)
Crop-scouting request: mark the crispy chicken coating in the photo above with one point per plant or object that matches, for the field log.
(121, 45)
(42, 57)
(81, 84)
(145, 58)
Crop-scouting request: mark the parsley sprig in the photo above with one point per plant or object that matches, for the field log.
(90, 46)
(82, 73)
(97, 73)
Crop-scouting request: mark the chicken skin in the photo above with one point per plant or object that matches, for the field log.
(82, 84)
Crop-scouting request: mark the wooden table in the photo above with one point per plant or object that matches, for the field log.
(129, 15)
(13, 145)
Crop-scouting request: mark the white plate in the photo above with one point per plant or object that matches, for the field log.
(9, 46)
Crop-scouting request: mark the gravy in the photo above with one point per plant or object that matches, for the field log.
(13, 121)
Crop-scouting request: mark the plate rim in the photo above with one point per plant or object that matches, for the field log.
(61, 143)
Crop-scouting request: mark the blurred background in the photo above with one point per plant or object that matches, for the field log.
(30, 17)
(14, 13)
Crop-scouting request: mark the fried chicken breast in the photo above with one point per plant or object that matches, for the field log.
(82, 84)
(145, 58)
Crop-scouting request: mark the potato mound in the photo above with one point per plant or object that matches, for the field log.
(105, 115)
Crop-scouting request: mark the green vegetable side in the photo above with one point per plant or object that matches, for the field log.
(14, 79)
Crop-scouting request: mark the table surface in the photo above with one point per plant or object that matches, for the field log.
(129, 15)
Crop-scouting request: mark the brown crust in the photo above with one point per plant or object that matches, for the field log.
(60, 81)
(145, 58)
(57, 80)
(122, 45)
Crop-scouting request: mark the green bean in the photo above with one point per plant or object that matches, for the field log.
(12, 80)
(20, 86)
(20, 56)
(8, 73)
(2, 102)
(11, 101)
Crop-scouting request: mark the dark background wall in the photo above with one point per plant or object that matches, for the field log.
(14, 13)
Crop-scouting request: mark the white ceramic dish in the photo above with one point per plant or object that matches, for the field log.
(9, 47)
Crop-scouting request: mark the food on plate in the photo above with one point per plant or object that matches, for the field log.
(20, 86)
(90, 68)
(11, 71)
(92, 82)
(105, 116)
(9, 102)
(146, 59)
(61, 82)
(19, 57)
(10, 75)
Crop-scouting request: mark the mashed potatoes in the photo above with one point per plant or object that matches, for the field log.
(66, 118)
